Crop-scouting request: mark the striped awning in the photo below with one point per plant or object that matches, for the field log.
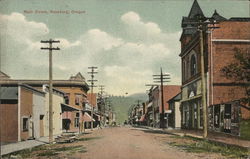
(142, 118)
(87, 117)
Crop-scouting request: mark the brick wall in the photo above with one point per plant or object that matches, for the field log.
(221, 54)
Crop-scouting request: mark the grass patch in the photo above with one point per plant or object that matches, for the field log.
(26, 153)
(67, 150)
(48, 150)
(47, 153)
(176, 137)
(72, 148)
(203, 146)
(245, 129)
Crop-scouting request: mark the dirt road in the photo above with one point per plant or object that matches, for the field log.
(119, 143)
(133, 143)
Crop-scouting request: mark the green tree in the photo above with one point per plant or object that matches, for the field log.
(239, 71)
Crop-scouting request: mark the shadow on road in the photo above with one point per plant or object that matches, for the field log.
(89, 138)
(148, 130)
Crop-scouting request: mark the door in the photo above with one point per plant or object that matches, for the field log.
(227, 118)
(41, 126)
(217, 117)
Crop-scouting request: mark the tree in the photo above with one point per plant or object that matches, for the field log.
(239, 70)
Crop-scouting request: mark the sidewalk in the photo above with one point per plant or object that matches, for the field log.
(217, 137)
(28, 144)
(14, 147)
(221, 138)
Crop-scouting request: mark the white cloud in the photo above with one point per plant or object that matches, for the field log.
(19, 28)
(133, 20)
(65, 44)
(95, 40)
(141, 54)
(125, 62)
(126, 79)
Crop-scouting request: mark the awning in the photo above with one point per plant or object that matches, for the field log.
(66, 107)
(87, 117)
(88, 107)
(150, 104)
(195, 97)
(142, 118)
(98, 116)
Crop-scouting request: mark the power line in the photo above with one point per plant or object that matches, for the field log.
(162, 78)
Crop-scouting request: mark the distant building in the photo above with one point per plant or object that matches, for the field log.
(222, 94)
(174, 118)
(92, 105)
(169, 91)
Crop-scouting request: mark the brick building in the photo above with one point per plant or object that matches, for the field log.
(222, 94)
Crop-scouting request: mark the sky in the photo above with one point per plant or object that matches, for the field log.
(128, 40)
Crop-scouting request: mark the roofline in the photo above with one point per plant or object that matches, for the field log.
(5, 74)
(31, 88)
(42, 82)
(172, 99)
(70, 106)
(54, 89)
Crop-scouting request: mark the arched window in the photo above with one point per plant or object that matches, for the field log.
(193, 68)
(184, 70)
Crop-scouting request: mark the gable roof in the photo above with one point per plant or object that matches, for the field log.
(78, 76)
(195, 10)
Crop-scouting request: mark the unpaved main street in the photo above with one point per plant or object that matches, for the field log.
(134, 143)
(118, 143)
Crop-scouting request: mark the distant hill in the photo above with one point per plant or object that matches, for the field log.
(121, 105)
(139, 96)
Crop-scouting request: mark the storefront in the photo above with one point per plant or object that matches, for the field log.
(225, 117)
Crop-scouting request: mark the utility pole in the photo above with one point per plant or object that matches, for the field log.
(202, 28)
(92, 73)
(50, 48)
(101, 88)
(203, 83)
(162, 78)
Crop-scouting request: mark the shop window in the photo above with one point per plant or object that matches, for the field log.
(77, 99)
(67, 98)
(193, 65)
(77, 115)
(184, 70)
(76, 122)
(25, 124)
(201, 115)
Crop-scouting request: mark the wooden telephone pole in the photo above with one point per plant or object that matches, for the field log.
(92, 73)
(203, 27)
(161, 79)
(50, 48)
(101, 87)
(203, 83)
